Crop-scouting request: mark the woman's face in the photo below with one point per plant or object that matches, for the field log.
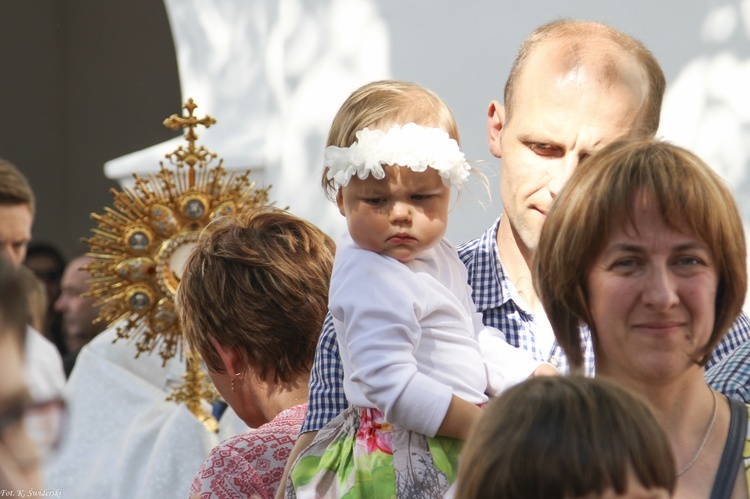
(652, 294)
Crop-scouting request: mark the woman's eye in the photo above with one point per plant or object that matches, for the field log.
(625, 263)
(689, 261)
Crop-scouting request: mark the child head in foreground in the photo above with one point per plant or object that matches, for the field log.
(392, 157)
(569, 438)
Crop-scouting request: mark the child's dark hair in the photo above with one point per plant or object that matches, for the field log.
(561, 437)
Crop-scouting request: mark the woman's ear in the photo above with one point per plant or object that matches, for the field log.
(495, 124)
(229, 357)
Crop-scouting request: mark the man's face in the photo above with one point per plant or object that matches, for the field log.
(559, 117)
(15, 232)
(78, 312)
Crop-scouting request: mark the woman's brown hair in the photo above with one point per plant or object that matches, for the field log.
(258, 283)
(602, 194)
(555, 437)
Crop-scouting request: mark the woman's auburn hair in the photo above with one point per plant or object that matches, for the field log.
(602, 194)
(556, 437)
(258, 283)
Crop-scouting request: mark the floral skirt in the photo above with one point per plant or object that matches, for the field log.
(360, 455)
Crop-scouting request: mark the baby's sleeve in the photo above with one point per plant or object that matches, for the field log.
(377, 307)
(506, 365)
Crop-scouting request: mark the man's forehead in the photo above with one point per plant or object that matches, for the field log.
(15, 222)
(572, 104)
(20, 212)
(74, 273)
(591, 58)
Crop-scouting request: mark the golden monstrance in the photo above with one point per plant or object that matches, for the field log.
(140, 245)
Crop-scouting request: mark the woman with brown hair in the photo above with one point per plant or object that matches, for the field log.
(562, 437)
(252, 301)
(644, 246)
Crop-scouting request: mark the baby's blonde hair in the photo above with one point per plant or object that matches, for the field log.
(382, 104)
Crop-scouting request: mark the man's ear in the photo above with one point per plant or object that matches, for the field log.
(495, 124)
(340, 201)
(230, 358)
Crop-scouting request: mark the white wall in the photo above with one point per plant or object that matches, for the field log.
(274, 73)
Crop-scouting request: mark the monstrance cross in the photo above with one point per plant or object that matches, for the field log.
(191, 156)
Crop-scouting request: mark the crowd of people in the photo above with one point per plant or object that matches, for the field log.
(591, 343)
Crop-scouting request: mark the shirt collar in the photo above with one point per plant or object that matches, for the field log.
(488, 256)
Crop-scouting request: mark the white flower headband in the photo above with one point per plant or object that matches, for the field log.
(412, 146)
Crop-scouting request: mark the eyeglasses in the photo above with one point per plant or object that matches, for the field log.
(32, 430)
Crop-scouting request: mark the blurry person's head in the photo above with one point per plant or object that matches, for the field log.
(48, 264)
(19, 465)
(566, 437)
(79, 312)
(36, 293)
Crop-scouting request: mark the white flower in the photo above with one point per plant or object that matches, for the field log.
(411, 146)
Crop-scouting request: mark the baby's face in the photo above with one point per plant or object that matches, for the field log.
(400, 216)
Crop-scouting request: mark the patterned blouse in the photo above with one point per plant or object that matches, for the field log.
(250, 463)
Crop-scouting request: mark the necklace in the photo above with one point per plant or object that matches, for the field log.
(304, 395)
(705, 439)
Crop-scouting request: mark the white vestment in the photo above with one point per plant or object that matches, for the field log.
(43, 366)
(124, 439)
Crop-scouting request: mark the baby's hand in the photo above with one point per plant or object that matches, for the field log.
(545, 370)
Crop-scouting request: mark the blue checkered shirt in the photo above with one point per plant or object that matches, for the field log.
(497, 299)
(731, 375)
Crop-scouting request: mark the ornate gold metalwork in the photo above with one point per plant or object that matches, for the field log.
(194, 389)
(140, 245)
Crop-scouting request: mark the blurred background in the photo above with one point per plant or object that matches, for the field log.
(87, 83)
